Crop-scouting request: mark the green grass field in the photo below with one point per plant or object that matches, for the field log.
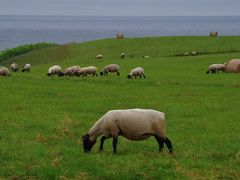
(42, 119)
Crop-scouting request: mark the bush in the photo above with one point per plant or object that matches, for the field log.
(22, 49)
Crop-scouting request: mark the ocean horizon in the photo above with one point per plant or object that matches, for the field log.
(16, 30)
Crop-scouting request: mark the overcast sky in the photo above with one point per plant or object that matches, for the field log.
(120, 7)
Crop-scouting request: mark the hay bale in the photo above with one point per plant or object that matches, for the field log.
(233, 66)
(213, 34)
(120, 36)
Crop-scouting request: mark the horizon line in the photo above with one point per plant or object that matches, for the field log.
(43, 15)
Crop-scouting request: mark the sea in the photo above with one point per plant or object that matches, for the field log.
(17, 30)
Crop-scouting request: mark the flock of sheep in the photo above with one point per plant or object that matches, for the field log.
(133, 124)
(92, 70)
(14, 67)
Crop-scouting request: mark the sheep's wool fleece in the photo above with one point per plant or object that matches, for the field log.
(233, 66)
(134, 124)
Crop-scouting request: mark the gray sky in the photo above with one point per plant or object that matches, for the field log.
(120, 7)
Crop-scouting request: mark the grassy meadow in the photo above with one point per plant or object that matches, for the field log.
(42, 119)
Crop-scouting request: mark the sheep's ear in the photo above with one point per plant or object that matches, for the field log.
(85, 137)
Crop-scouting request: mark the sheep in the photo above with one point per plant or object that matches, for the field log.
(14, 67)
(133, 124)
(146, 56)
(110, 68)
(215, 68)
(123, 55)
(139, 71)
(56, 69)
(87, 70)
(26, 68)
(4, 71)
(71, 70)
(194, 53)
(99, 56)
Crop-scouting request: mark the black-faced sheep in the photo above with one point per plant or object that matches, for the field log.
(123, 55)
(87, 70)
(139, 71)
(133, 124)
(99, 56)
(214, 68)
(14, 67)
(71, 70)
(26, 68)
(146, 56)
(4, 71)
(112, 68)
(55, 70)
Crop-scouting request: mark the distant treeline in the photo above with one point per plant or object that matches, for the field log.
(22, 49)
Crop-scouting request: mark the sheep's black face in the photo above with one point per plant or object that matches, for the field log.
(87, 144)
(101, 73)
(48, 74)
(129, 76)
(61, 74)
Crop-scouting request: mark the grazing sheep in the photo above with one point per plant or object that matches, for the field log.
(26, 68)
(139, 71)
(4, 71)
(99, 56)
(146, 56)
(194, 53)
(186, 54)
(232, 66)
(133, 124)
(14, 67)
(55, 70)
(123, 55)
(87, 70)
(71, 70)
(215, 68)
(110, 68)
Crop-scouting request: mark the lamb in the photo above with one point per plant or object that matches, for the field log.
(71, 70)
(99, 56)
(56, 69)
(87, 70)
(139, 71)
(133, 124)
(4, 71)
(123, 55)
(14, 67)
(215, 68)
(110, 68)
(26, 68)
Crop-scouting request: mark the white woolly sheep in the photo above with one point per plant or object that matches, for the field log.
(55, 70)
(194, 53)
(99, 56)
(215, 68)
(71, 70)
(26, 68)
(123, 55)
(14, 67)
(4, 71)
(112, 68)
(139, 71)
(133, 124)
(87, 70)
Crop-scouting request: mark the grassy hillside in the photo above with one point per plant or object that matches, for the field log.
(43, 118)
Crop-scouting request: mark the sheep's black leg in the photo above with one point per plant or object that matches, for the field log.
(160, 141)
(103, 138)
(144, 76)
(169, 145)
(140, 77)
(115, 140)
